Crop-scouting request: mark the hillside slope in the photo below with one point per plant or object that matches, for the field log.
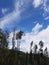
(11, 57)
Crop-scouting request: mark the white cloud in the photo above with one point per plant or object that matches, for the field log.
(37, 28)
(46, 18)
(4, 10)
(45, 6)
(36, 3)
(46, 9)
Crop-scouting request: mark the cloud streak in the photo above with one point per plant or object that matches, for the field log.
(15, 15)
(8, 19)
(43, 4)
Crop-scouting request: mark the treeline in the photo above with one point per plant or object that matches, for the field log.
(40, 50)
(12, 57)
(15, 57)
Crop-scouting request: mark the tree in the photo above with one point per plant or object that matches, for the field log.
(7, 37)
(35, 49)
(18, 38)
(3, 39)
(13, 39)
(46, 52)
(26, 63)
(31, 45)
(30, 57)
(41, 46)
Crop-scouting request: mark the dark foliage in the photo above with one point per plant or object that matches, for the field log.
(3, 39)
(11, 57)
(19, 34)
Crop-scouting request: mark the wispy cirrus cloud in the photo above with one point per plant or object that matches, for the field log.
(8, 19)
(15, 15)
(4, 11)
(46, 18)
(43, 5)
(37, 28)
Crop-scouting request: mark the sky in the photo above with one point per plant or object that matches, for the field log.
(31, 16)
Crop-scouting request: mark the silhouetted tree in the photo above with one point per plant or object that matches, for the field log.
(13, 39)
(30, 58)
(3, 39)
(41, 46)
(18, 38)
(26, 63)
(35, 49)
(7, 37)
(31, 45)
(46, 52)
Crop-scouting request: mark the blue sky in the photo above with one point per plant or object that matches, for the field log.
(30, 13)
(31, 16)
